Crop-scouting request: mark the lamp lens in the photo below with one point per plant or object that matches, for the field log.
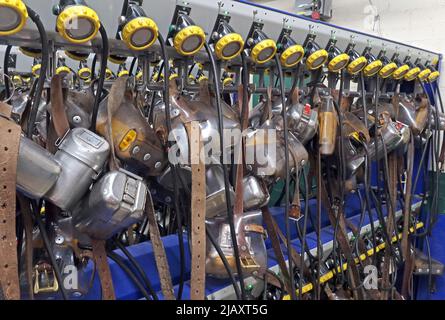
(80, 28)
(341, 65)
(231, 49)
(294, 58)
(191, 43)
(317, 62)
(9, 19)
(142, 37)
(265, 54)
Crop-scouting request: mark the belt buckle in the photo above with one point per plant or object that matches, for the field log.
(45, 270)
(249, 263)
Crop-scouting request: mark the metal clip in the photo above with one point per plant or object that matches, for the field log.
(249, 263)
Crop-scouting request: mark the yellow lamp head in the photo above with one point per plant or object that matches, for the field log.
(315, 56)
(373, 64)
(226, 42)
(291, 53)
(412, 74)
(400, 72)
(123, 73)
(357, 62)
(186, 37)
(63, 71)
(139, 75)
(36, 69)
(13, 15)
(388, 67)
(78, 56)
(84, 72)
(413, 71)
(108, 74)
(17, 80)
(117, 59)
(402, 67)
(261, 48)
(433, 76)
(31, 52)
(76, 22)
(337, 59)
(138, 31)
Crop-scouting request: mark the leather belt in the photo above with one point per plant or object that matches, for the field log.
(100, 258)
(406, 244)
(159, 251)
(9, 149)
(268, 220)
(198, 208)
(26, 213)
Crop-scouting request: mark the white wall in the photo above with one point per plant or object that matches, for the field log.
(417, 22)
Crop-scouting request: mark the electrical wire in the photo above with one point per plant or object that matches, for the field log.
(286, 169)
(230, 214)
(102, 74)
(44, 66)
(173, 168)
(138, 268)
(5, 70)
(118, 260)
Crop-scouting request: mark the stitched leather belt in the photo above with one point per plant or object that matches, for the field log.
(198, 208)
(159, 251)
(100, 258)
(9, 149)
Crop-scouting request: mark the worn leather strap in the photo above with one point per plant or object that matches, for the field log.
(101, 261)
(273, 236)
(58, 113)
(198, 208)
(159, 251)
(115, 99)
(392, 163)
(406, 244)
(343, 241)
(26, 213)
(9, 149)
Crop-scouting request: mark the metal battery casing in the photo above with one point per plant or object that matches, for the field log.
(82, 155)
(255, 194)
(37, 169)
(115, 202)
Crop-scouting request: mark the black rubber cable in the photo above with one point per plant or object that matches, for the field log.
(230, 214)
(133, 63)
(5, 70)
(286, 169)
(102, 74)
(113, 256)
(138, 268)
(42, 77)
(173, 168)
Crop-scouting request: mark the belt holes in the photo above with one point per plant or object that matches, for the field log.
(4, 221)
(9, 130)
(6, 148)
(4, 186)
(6, 266)
(4, 238)
(4, 169)
(4, 205)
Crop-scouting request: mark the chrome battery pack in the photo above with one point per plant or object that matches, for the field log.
(82, 155)
(37, 169)
(115, 202)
